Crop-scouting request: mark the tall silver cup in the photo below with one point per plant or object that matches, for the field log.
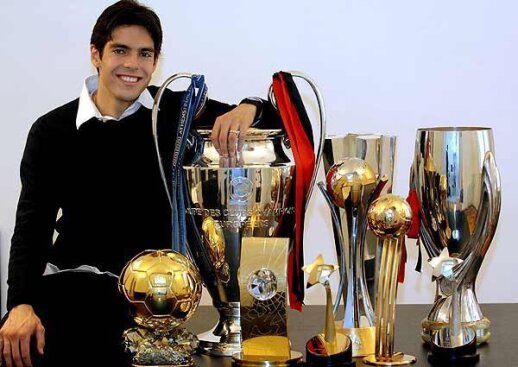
(226, 205)
(379, 152)
(229, 203)
(366, 162)
(458, 186)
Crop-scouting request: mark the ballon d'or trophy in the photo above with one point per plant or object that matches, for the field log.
(351, 186)
(163, 288)
(457, 183)
(329, 348)
(389, 218)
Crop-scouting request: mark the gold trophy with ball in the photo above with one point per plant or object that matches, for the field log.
(163, 289)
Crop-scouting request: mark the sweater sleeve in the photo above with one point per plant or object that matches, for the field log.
(35, 218)
(267, 116)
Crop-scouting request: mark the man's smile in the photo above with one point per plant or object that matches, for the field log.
(129, 78)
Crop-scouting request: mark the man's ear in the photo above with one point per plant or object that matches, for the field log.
(95, 57)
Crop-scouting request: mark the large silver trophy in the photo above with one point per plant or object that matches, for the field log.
(363, 166)
(458, 187)
(229, 204)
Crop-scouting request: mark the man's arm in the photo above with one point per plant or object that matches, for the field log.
(230, 123)
(31, 242)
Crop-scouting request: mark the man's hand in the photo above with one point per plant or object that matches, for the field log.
(229, 131)
(16, 334)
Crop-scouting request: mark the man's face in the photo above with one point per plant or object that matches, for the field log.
(126, 66)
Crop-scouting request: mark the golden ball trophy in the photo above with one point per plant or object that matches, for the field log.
(163, 288)
(389, 218)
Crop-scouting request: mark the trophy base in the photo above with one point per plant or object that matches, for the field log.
(398, 359)
(240, 361)
(211, 344)
(443, 353)
(320, 353)
(164, 365)
(216, 349)
(481, 328)
(363, 339)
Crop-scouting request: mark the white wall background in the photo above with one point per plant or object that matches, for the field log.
(383, 66)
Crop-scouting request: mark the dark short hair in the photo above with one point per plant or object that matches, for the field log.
(123, 13)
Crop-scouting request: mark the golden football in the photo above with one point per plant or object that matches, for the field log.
(163, 288)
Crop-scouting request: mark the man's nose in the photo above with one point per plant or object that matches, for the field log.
(131, 61)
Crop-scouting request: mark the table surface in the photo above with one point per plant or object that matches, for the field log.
(501, 350)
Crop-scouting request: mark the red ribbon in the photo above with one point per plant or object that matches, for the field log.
(304, 166)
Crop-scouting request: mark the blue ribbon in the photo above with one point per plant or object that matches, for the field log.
(191, 103)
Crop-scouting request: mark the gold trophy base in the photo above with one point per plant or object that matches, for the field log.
(267, 351)
(398, 359)
(294, 360)
(481, 328)
(363, 339)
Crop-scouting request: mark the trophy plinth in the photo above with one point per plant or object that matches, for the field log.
(389, 218)
(320, 353)
(163, 289)
(445, 352)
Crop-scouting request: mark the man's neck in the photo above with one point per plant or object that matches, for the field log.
(108, 106)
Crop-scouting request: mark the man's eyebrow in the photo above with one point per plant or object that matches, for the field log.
(119, 45)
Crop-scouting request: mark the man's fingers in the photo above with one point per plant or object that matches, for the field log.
(242, 138)
(223, 139)
(7, 353)
(233, 139)
(15, 350)
(40, 339)
(214, 136)
(25, 348)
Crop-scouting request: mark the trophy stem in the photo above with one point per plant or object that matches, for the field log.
(385, 303)
(225, 338)
(455, 316)
(330, 329)
(389, 218)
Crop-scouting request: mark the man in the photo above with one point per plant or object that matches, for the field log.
(94, 160)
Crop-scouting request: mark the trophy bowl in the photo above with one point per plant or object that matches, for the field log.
(458, 187)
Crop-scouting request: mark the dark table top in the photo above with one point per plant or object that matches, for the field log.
(501, 350)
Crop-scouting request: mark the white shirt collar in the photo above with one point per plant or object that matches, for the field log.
(87, 108)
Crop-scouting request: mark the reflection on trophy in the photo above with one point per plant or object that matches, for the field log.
(458, 186)
(329, 348)
(163, 289)
(389, 218)
(379, 152)
(351, 186)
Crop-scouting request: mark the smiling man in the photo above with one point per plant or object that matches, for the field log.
(93, 161)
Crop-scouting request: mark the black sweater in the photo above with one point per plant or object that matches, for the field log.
(105, 178)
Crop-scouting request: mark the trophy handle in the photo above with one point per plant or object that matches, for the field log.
(322, 118)
(487, 220)
(154, 122)
(338, 244)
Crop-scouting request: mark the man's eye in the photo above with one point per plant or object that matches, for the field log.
(147, 54)
(119, 51)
